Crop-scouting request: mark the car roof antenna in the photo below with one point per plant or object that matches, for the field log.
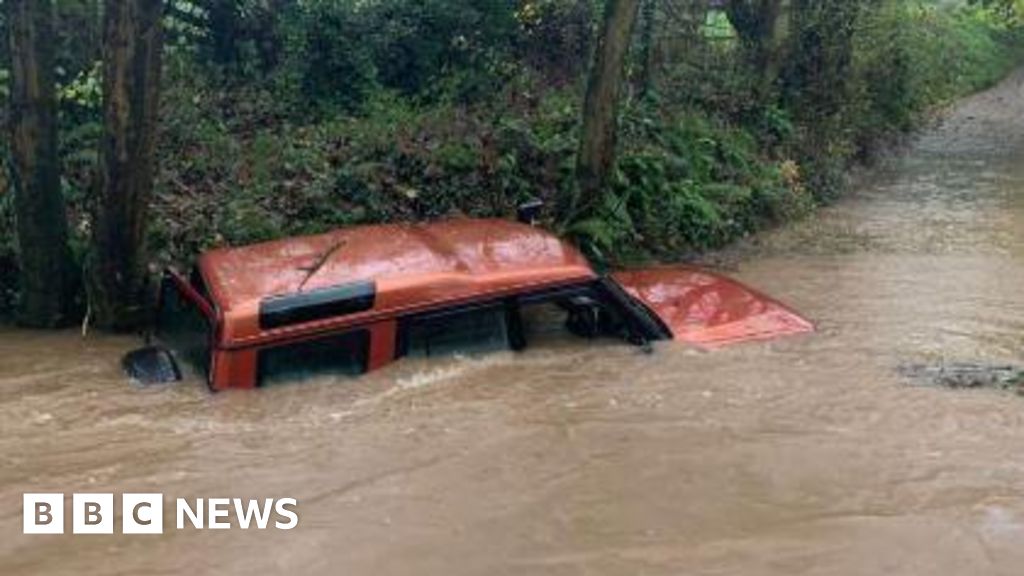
(320, 262)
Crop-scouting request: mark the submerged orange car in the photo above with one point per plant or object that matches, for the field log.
(356, 299)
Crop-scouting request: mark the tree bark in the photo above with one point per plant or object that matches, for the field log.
(132, 48)
(755, 24)
(649, 16)
(47, 274)
(600, 108)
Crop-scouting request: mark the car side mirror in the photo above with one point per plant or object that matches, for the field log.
(151, 365)
(528, 212)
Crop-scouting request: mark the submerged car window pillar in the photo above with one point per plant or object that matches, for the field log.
(643, 325)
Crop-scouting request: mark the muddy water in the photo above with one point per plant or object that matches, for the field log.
(806, 456)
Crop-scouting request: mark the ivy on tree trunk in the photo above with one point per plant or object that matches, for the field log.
(132, 47)
(600, 108)
(47, 286)
(649, 14)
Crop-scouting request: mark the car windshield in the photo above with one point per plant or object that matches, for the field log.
(184, 328)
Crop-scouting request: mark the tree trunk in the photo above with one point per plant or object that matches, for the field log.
(132, 46)
(600, 108)
(47, 273)
(647, 47)
(755, 24)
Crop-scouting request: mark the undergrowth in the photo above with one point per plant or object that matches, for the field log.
(245, 156)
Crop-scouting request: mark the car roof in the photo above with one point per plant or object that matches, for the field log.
(412, 266)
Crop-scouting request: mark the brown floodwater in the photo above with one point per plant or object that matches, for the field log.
(810, 455)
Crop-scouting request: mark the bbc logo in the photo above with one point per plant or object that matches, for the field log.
(93, 513)
(144, 513)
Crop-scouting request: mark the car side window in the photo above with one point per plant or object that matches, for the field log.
(581, 311)
(471, 331)
(336, 355)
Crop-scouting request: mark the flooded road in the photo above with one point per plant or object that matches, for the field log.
(811, 455)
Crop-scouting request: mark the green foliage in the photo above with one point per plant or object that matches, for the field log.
(327, 59)
(880, 68)
(283, 117)
(687, 184)
(78, 38)
(356, 127)
(912, 57)
(236, 171)
(336, 54)
(416, 44)
(555, 37)
(1010, 11)
(734, 160)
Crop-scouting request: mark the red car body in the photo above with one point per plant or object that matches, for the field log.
(373, 280)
